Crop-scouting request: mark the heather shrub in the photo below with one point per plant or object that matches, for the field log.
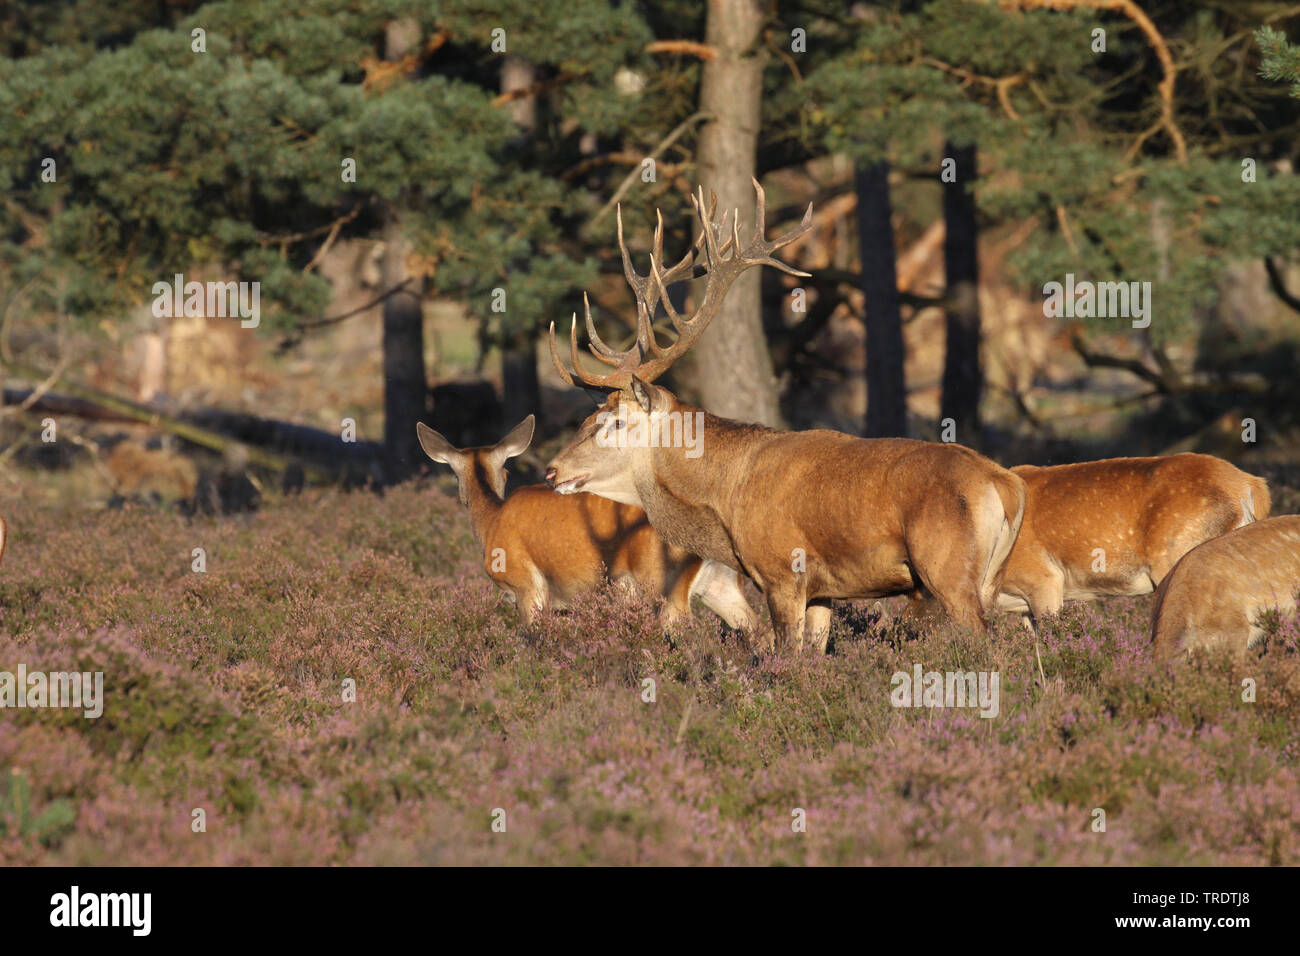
(342, 684)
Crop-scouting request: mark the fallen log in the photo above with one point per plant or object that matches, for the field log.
(268, 443)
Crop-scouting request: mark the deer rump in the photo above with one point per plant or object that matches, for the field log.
(818, 515)
(1215, 595)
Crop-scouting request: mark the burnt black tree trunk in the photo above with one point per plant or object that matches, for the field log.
(521, 389)
(886, 394)
(404, 383)
(963, 379)
(403, 343)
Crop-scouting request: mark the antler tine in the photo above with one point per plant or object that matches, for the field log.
(649, 296)
(688, 330)
(713, 202)
(657, 243)
(573, 349)
(685, 265)
(760, 249)
(780, 242)
(645, 332)
(709, 232)
(677, 321)
(778, 264)
(760, 211)
(720, 230)
(599, 349)
(716, 230)
(705, 223)
(636, 281)
(620, 377)
(726, 260)
(555, 358)
(641, 287)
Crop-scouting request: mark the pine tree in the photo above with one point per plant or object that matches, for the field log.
(231, 134)
(1132, 168)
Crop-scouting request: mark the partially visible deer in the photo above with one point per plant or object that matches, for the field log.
(809, 516)
(544, 549)
(1217, 592)
(1117, 526)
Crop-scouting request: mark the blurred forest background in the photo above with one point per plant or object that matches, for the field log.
(421, 188)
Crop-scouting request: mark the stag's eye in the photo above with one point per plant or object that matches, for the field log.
(617, 423)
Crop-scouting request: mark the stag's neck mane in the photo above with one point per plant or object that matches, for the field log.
(688, 500)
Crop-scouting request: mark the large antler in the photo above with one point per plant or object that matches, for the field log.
(724, 261)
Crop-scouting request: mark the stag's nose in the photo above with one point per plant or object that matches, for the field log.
(550, 477)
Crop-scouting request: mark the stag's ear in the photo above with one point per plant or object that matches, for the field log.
(596, 395)
(517, 442)
(437, 447)
(644, 393)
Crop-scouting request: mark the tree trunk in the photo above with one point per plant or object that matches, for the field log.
(963, 379)
(729, 370)
(404, 381)
(886, 393)
(521, 389)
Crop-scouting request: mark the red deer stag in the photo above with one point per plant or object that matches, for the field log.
(544, 549)
(1217, 592)
(809, 516)
(1117, 526)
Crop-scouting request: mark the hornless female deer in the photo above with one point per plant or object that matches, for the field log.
(809, 516)
(1217, 592)
(1117, 526)
(544, 549)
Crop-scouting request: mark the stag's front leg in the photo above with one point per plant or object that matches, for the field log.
(788, 609)
(788, 623)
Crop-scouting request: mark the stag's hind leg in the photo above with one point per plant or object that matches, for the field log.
(952, 569)
(959, 552)
(817, 624)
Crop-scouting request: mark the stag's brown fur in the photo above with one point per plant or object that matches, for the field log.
(1143, 514)
(1215, 595)
(810, 516)
(545, 549)
(871, 518)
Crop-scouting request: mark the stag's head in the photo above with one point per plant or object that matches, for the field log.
(602, 458)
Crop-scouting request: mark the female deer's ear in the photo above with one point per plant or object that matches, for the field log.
(435, 446)
(517, 442)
